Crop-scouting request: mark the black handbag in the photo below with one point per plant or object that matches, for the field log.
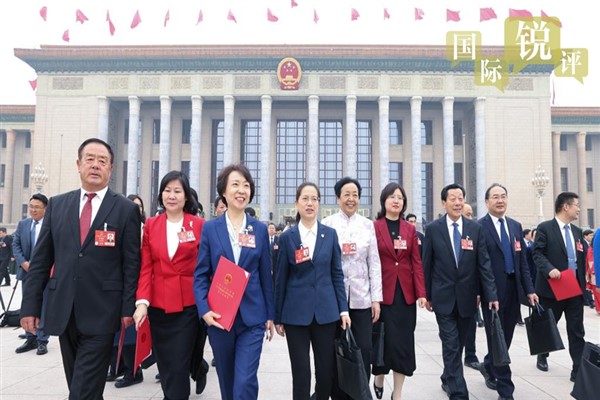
(499, 348)
(352, 378)
(542, 333)
(587, 382)
(378, 342)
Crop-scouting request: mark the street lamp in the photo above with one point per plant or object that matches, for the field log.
(39, 177)
(539, 182)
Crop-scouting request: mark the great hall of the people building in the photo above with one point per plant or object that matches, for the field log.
(378, 113)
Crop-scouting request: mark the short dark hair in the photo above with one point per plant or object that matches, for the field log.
(450, 187)
(387, 191)
(217, 200)
(587, 232)
(251, 212)
(95, 140)
(272, 223)
(493, 185)
(526, 231)
(133, 197)
(2, 229)
(299, 192)
(409, 216)
(190, 206)
(562, 199)
(343, 182)
(224, 177)
(40, 197)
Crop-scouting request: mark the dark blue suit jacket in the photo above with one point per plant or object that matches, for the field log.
(258, 303)
(448, 285)
(21, 246)
(494, 247)
(313, 289)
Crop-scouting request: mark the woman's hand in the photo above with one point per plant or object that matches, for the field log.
(270, 330)
(346, 322)
(375, 310)
(210, 319)
(422, 302)
(280, 330)
(140, 314)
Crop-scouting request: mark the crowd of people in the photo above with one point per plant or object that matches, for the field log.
(92, 264)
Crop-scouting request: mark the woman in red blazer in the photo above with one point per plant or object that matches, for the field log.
(403, 286)
(165, 288)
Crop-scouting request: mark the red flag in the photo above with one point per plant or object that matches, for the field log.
(231, 17)
(136, 19)
(354, 16)
(487, 13)
(294, 4)
(44, 12)
(167, 18)
(386, 14)
(33, 84)
(518, 13)
(80, 16)
(419, 14)
(200, 17)
(554, 20)
(452, 15)
(271, 17)
(65, 36)
(315, 16)
(111, 26)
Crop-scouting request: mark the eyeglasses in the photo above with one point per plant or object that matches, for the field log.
(395, 197)
(306, 199)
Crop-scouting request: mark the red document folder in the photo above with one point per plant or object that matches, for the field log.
(226, 291)
(143, 345)
(565, 287)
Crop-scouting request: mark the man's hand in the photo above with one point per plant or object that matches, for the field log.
(126, 322)
(280, 329)
(375, 310)
(533, 298)
(494, 305)
(25, 266)
(554, 274)
(428, 306)
(210, 319)
(270, 330)
(30, 324)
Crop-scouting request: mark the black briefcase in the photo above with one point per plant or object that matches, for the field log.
(587, 382)
(499, 348)
(378, 342)
(542, 332)
(352, 378)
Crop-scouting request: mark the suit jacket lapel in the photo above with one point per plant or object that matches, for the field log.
(558, 237)
(223, 234)
(489, 224)
(73, 214)
(381, 227)
(105, 207)
(319, 240)
(446, 235)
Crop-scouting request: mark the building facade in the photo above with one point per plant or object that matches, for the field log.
(378, 113)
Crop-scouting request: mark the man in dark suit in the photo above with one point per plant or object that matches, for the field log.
(412, 219)
(91, 290)
(559, 246)
(457, 268)
(528, 236)
(25, 238)
(506, 248)
(273, 248)
(5, 255)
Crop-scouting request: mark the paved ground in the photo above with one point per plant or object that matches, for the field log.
(29, 376)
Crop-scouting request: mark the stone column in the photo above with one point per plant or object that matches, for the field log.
(415, 131)
(265, 158)
(581, 178)
(448, 116)
(195, 142)
(229, 107)
(103, 111)
(556, 184)
(164, 153)
(133, 145)
(384, 141)
(9, 176)
(312, 148)
(350, 168)
(480, 156)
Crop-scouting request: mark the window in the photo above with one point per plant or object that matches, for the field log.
(124, 188)
(588, 144)
(458, 134)
(185, 168)
(126, 134)
(24, 210)
(251, 153)
(590, 217)
(2, 174)
(364, 164)
(291, 159)
(396, 132)
(427, 190)
(3, 139)
(564, 179)
(589, 177)
(27, 142)
(186, 130)
(330, 158)
(563, 142)
(426, 133)
(156, 131)
(154, 188)
(396, 173)
(218, 134)
(26, 173)
(458, 174)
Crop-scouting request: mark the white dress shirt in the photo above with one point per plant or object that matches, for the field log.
(308, 237)
(96, 202)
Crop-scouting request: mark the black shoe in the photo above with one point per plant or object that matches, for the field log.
(378, 391)
(157, 377)
(490, 382)
(23, 336)
(446, 389)
(473, 364)
(213, 362)
(520, 323)
(201, 384)
(6, 284)
(30, 344)
(480, 324)
(111, 377)
(542, 363)
(128, 381)
(42, 348)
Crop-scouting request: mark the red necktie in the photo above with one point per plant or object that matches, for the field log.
(86, 217)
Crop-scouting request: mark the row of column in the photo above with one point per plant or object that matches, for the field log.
(312, 167)
(9, 174)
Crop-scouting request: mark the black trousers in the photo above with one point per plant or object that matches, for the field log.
(4, 271)
(85, 359)
(299, 340)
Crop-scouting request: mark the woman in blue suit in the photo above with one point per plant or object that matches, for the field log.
(309, 297)
(244, 241)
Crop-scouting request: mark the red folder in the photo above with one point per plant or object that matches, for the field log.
(565, 287)
(143, 344)
(226, 291)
